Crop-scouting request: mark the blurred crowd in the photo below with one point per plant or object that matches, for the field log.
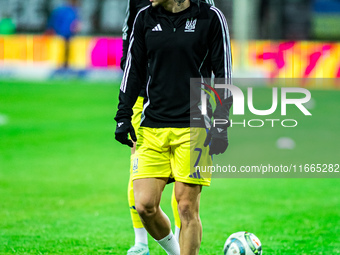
(267, 19)
(38, 16)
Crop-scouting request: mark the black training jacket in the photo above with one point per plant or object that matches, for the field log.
(133, 7)
(167, 50)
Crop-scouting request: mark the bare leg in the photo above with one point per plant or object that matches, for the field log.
(188, 198)
(148, 194)
(141, 235)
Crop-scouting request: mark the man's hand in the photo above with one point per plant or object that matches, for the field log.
(124, 127)
(219, 140)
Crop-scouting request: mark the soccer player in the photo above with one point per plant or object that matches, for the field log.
(172, 41)
(141, 239)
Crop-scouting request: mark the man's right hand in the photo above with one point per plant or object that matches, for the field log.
(123, 128)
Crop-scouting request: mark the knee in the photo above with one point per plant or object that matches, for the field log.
(187, 211)
(146, 209)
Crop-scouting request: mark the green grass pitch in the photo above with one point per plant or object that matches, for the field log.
(63, 177)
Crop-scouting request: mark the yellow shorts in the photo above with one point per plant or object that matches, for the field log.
(137, 113)
(172, 152)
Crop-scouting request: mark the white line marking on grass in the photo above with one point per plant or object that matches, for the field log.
(3, 120)
(285, 143)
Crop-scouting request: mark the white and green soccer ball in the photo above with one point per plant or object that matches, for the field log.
(242, 243)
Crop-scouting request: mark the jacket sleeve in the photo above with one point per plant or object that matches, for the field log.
(135, 70)
(130, 15)
(221, 60)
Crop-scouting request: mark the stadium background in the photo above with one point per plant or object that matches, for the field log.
(63, 178)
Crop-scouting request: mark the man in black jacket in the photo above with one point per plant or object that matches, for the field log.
(171, 42)
(141, 240)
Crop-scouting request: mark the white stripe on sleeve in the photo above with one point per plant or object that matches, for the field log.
(227, 48)
(210, 2)
(129, 56)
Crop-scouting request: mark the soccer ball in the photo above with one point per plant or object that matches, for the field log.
(242, 243)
